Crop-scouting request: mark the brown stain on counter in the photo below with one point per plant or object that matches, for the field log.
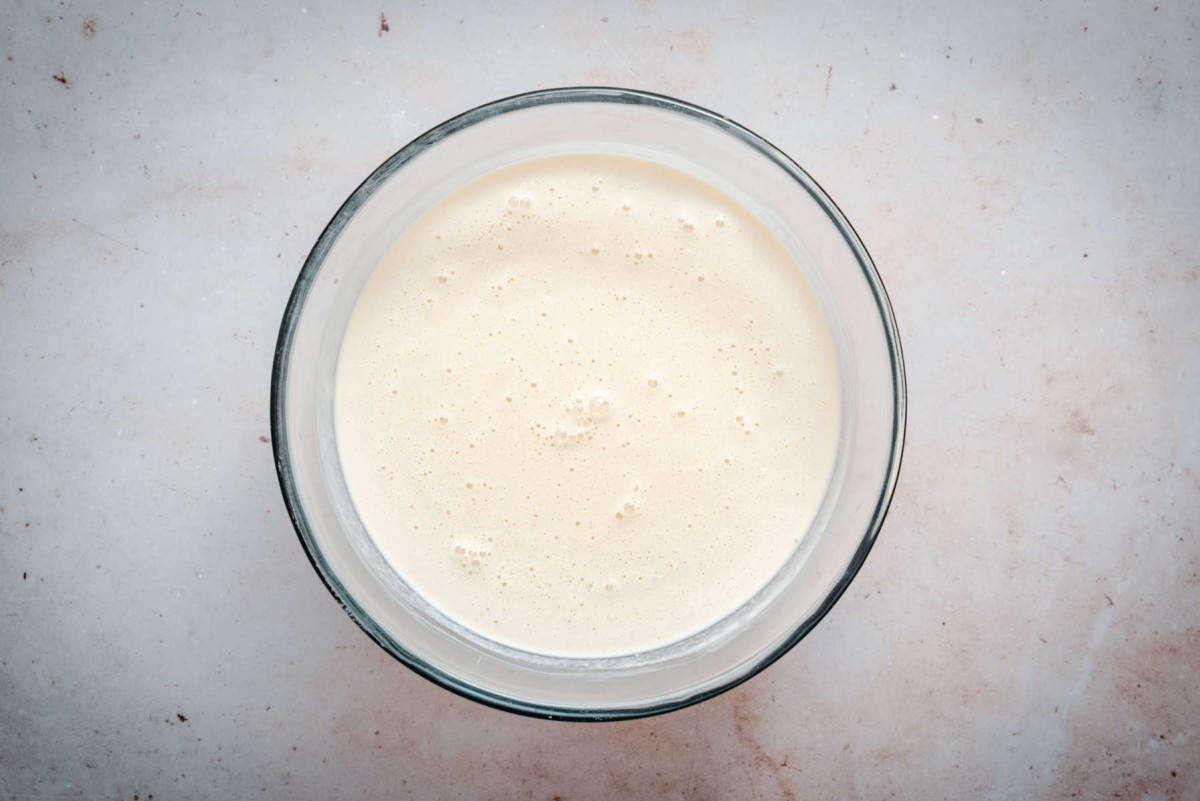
(718, 749)
(1140, 745)
(745, 721)
(692, 41)
(1080, 424)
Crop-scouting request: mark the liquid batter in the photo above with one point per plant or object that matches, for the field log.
(587, 405)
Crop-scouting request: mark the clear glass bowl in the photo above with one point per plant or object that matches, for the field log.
(806, 222)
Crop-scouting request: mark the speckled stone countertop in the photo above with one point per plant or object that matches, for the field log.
(1026, 176)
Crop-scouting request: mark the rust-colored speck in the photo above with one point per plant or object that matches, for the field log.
(61, 78)
(182, 717)
(979, 120)
(89, 28)
(892, 88)
(1107, 598)
(263, 438)
(383, 25)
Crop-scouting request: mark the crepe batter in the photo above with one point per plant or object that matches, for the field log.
(587, 405)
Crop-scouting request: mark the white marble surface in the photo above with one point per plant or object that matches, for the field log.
(1026, 176)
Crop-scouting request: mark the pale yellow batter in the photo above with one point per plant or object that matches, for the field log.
(587, 405)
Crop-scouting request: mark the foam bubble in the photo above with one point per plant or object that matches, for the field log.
(519, 200)
(599, 405)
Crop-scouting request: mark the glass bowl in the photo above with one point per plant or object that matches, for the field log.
(609, 121)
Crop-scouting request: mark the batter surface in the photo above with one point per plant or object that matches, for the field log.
(587, 405)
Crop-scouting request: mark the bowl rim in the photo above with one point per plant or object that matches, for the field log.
(312, 265)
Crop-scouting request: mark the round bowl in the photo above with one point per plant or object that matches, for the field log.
(825, 248)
